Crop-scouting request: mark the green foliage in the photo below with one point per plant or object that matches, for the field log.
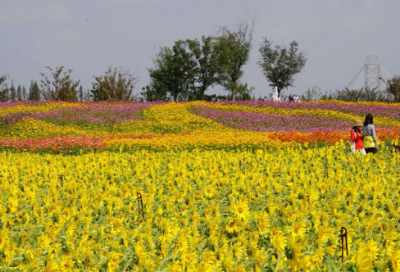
(19, 93)
(97, 94)
(233, 50)
(207, 65)
(150, 93)
(30, 90)
(115, 85)
(60, 87)
(13, 92)
(312, 94)
(4, 91)
(185, 71)
(244, 92)
(393, 88)
(363, 94)
(173, 72)
(80, 93)
(34, 93)
(281, 64)
(24, 94)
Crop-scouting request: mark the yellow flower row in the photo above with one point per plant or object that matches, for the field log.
(211, 140)
(40, 107)
(358, 103)
(176, 117)
(31, 128)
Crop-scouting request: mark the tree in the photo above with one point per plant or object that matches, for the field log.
(234, 50)
(150, 93)
(281, 64)
(97, 94)
(173, 72)
(244, 92)
(13, 93)
(61, 87)
(35, 92)
(363, 94)
(80, 93)
(393, 87)
(312, 94)
(185, 71)
(19, 93)
(115, 85)
(86, 95)
(24, 95)
(30, 89)
(206, 65)
(4, 91)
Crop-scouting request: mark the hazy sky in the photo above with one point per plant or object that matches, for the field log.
(90, 35)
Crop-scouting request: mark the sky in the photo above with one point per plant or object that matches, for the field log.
(88, 36)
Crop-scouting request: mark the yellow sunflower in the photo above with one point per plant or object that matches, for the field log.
(241, 209)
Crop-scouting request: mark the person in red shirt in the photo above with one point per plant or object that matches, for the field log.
(356, 137)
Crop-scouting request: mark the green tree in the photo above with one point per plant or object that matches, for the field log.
(281, 64)
(244, 92)
(234, 51)
(97, 93)
(185, 71)
(61, 86)
(173, 72)
(34, 94)
(393, 88)
(355, 95)
(13, 92)
(312, 94)
(87, 95)
(150, 93)
(30, 89)
(24, 94)
(206, 65)
(115, 85)
(80, 93)
(4, 91)
(19, 93)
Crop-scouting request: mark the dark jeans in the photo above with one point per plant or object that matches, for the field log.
(370, 150)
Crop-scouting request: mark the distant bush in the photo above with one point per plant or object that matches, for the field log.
(364, 94)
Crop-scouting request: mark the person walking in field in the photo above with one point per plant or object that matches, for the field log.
(356, 138)
(370, 141)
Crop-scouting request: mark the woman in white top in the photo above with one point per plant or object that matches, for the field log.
(370, 141)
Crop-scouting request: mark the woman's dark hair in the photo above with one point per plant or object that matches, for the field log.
(369, 119)
(355, 129)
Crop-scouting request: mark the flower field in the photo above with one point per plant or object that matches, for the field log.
(76, 128)
(197, 186)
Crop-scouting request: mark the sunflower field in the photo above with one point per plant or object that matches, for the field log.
(197, 186)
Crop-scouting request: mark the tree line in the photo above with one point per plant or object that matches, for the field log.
(389, 94)
(183, 72)
(115, 85)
